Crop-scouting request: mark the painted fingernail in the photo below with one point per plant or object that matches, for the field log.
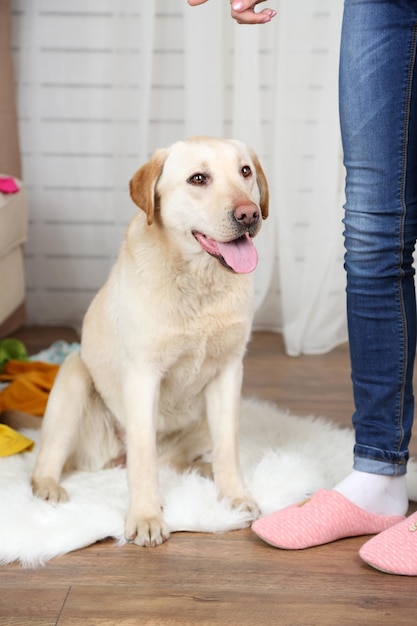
(269, 16)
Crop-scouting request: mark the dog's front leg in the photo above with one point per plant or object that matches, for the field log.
(145, 525)
(223, 397)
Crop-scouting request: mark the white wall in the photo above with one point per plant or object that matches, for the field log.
(102, 83)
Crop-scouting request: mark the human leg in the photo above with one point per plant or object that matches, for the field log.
(378, 119)
(378, 107)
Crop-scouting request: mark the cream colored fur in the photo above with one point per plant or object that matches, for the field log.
(160, 367)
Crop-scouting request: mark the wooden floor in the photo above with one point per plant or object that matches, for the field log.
(229, 579)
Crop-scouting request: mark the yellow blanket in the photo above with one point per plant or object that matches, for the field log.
(12, 442)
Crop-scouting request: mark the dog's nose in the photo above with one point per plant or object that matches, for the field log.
(247, 214)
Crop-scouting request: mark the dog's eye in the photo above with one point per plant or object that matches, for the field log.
(246, 171)
(198, 179)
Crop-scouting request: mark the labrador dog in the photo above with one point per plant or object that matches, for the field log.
(159, 371)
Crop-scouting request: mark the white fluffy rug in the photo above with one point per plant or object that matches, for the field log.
(284, 459)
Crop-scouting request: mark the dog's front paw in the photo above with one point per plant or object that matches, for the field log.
(147, 532)
(246, 504)
(48, 489)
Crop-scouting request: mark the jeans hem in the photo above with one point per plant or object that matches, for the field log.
(378, 466)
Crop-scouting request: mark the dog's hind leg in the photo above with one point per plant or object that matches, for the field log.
(189, 449)
(61, 427)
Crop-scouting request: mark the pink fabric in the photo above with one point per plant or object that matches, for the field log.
(8, 185)
(323, 518)
(395, 550)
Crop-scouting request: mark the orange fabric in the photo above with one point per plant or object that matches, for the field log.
(30, 384)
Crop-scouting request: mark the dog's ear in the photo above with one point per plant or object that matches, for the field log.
(262, 184)
(143, 184)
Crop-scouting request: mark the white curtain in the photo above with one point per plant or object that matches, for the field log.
(102, 83)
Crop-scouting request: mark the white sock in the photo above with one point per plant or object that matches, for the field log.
(384, 495)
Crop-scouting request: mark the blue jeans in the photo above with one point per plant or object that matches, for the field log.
(378, 112)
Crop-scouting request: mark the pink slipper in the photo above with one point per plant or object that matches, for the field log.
(395, 550)
(323, 518)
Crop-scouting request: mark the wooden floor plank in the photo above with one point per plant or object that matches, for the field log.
(22, 604)
(188, 607)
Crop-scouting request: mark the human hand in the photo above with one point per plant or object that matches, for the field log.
(243, 11)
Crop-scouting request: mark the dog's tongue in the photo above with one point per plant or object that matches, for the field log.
(240, 255)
